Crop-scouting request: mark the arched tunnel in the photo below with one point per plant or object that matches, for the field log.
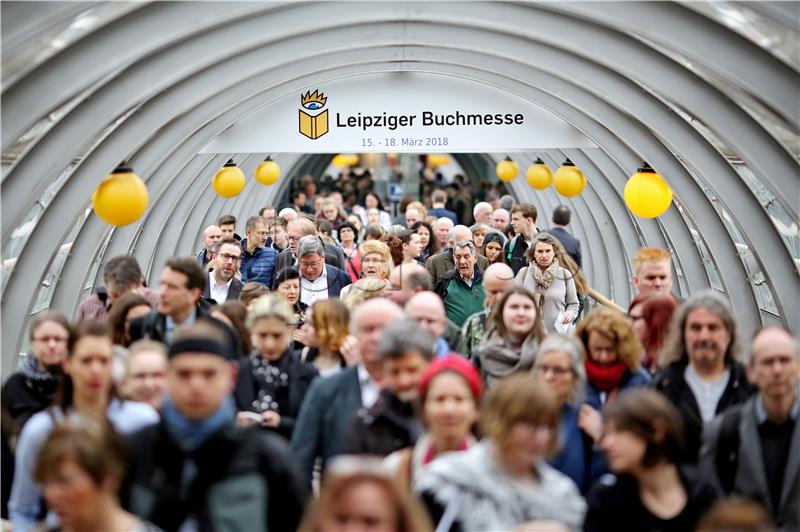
(707, 93)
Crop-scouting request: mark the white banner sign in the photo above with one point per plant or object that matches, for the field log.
(398, 112)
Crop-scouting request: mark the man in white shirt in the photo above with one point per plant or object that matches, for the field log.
(222, 282)
(318, 280)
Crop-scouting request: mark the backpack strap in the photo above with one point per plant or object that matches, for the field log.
(727, 458)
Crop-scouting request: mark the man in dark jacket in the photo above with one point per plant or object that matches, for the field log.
(561, 219)
(461, 289)
(211, 235)
(704, 378)
(222, 283)
(753, 451)
(330, 404)
(317, 279)
(198, 470)
(523, 220)
(258, 262)
(443, 262)
(392, 423)
(182, 284)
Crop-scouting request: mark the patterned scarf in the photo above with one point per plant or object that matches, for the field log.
(542, 281)
(272, 379)
(30, 370)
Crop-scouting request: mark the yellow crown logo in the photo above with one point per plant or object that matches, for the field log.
(313, 100)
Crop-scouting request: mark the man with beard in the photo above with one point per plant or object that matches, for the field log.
(703, 377)
(222, 283)
(392, 423)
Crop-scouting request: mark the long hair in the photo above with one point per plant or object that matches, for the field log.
(564, 260)
(675, 346)
(433, 243)
(495, 322)
(657, 312)
(330, 318)
(119, 312)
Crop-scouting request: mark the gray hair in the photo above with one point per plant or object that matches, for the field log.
(507, 202)
(461, 244)
(451, 234)
(405, 336)
(446, 221)
(310, 245)
(675, 345)
(287, 210)
(574, 349)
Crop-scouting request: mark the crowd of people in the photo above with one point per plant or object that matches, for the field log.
(338, 368)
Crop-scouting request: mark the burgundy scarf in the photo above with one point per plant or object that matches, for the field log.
(605, 378)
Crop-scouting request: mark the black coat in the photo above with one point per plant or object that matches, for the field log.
(233, 292)
(614, 504)
(390, 425)
(153, 326)
(23, 397)
(571, 244)
(247, 479)
(301, 375)
(670, 382)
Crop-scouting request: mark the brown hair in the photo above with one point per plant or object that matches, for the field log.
(564, 260)
(330, 318)
(196, 276)
(496, 317)
(526, 209)
(236, 311)
(117, 314)
(395, 245)
(91, 441)
(409, 515)
(63, 397)
(614, 325)
(736, 513)
(55, 317)
(520, 398)
(251, 291)
(227, 219)
(652, 418)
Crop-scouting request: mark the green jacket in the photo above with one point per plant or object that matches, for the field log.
(461, 300)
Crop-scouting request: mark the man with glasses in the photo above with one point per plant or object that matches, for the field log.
(297, 229)
(258, 262)
(317, 280)
(222, 282)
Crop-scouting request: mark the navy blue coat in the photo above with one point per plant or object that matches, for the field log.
(259, 266)
(571, 244)
(337, 279)
(325, 418)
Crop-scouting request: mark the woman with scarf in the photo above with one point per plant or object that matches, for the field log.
(348, 236)
(613, 364)
(554, 286)
(273, 381)
(504, 481)
(86, 388)
(376, 263)
(513, 332)
(31, 389)
(450, 394)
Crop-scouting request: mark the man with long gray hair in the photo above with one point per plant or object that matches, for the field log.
(701, 373)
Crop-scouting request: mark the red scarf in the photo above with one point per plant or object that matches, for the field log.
(604, 378)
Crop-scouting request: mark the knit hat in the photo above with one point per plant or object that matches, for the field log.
(457, 364)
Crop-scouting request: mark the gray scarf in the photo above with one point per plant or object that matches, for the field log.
(30, 370)
(499, 359)
(471, 486)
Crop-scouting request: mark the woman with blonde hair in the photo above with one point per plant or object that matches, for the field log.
(613, 364)
(376, 263)
(272, 382)
(325, 332)
(358, 493)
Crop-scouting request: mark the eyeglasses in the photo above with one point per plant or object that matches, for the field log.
(48, 339)
(558, 371)
(307, 265)
(226, 257)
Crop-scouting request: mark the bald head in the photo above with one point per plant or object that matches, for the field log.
(775, 370)
(459, 233)
(367, 323)
(211, 235)
(428, 310)
(406, 280)
(500, 219)
(496, 278)
(482, 212)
